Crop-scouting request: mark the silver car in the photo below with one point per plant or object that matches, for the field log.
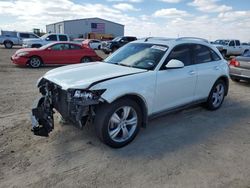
(240, 67)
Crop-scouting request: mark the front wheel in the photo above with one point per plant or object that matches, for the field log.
(118, 123)
(8, 44)
(35, 62)
(216, 96)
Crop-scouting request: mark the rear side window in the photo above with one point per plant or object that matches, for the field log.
(181, 53)
(203, 54)
(74, 47)
(63, 38)
(59, 47)
(237, 43)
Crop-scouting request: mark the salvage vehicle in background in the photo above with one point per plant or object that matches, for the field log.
(142, 80)
(45, 39)
(13, 38)
(92, 43)
(54, 53)
(113, 45)
(231, 47)
(240, 67)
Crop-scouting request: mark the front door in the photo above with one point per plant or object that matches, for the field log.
(176, 87)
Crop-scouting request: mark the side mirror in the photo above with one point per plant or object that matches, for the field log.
(47, 39)
(174, 64)
(122, 40)
(49, 48)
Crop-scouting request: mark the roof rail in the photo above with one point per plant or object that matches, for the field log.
(192, 38)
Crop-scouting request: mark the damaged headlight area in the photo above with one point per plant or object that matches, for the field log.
(74, 105)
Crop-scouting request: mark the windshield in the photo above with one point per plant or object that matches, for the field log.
(222, 42)
(138, 55)
(246, 54)
(116, 39)
(44, 36)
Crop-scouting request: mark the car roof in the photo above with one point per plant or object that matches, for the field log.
(171, 42)
(65, 42)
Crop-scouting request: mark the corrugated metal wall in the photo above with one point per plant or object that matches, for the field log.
(77, 28)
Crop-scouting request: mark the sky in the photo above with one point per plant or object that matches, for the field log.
(210, 19)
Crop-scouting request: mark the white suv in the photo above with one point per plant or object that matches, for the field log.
(141, 80)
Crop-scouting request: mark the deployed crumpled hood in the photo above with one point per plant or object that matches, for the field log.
(80, 76)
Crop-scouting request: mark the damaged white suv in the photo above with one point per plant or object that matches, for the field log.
(141, 80)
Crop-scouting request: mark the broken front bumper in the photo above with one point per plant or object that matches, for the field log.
(74, 105)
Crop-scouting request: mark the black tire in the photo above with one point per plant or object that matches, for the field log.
(216, 95)
(36, 45)
(85, 60)
(8, 44)
(235, 79)
(104, 125)
(35, 62)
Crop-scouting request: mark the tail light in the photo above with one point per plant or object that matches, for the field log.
(234, 62)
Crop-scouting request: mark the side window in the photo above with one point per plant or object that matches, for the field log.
(232, 43)
(59, 47)
(214, 55)
(24, 35)
(181, 53)
(63, 38)
(237, 43)
(74, 47)
(202, 54)
(51, 38)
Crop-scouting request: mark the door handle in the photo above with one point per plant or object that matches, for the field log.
(191, 72)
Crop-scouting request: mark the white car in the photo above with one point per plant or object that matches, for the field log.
(45, 39)
(141, 80)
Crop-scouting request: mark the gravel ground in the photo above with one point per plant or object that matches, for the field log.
(190, 148)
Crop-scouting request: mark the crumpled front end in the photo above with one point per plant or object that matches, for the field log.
(74, 105)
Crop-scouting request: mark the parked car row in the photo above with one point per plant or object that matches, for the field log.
(231, 47)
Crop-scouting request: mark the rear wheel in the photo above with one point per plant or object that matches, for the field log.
(216, 96)
(8, 44)
(35, 62)
(85, 60)
(118, 123)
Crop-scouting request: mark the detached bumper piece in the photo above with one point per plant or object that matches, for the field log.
(42, 117)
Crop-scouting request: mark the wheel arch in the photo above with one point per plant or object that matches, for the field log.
(140, 101)
(34, 56)
(225, 79)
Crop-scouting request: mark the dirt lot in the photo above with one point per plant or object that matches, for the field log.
(191, 148)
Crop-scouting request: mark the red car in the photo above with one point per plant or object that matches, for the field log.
(54, 53)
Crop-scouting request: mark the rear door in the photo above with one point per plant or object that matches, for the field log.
(208, 69)
(176, 87)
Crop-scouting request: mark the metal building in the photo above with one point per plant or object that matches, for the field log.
(82, 28)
